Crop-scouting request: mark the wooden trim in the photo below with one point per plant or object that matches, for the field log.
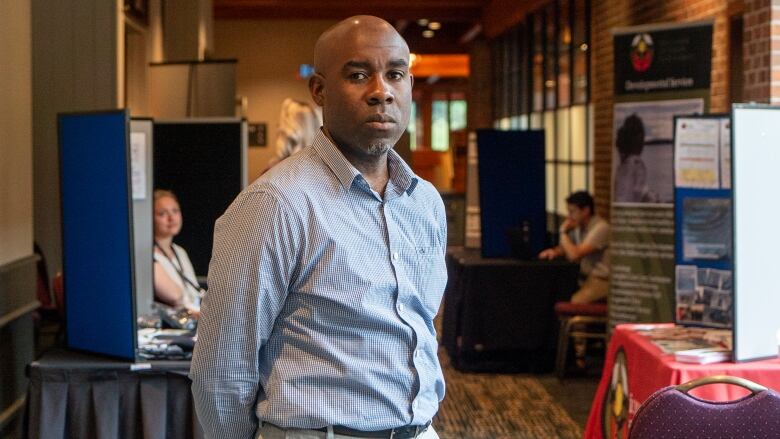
(18, 312)
(500, 15)
(18, 263)
(9, 413)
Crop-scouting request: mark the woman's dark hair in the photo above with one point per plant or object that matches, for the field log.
(582, 199)
(631, 136)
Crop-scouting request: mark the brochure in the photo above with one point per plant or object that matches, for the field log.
(703, 356)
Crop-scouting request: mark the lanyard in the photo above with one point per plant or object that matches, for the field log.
(179, 269)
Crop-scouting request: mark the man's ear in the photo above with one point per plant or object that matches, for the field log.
(317, 89)
(411, 79)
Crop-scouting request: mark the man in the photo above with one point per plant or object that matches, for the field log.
(584, 238)
(327, 271)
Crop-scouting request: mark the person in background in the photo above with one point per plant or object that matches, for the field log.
(328, 270)
(175, 283)
(298, 124)
(584, 238)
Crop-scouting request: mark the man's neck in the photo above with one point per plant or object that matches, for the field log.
(586, 221)
(373, 168)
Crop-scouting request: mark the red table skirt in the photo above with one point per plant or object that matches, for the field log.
(635, 368)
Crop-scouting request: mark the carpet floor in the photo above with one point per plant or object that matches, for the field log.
(500, 406)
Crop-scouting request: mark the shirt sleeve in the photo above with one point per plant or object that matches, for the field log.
(251, 266)
(598, 237)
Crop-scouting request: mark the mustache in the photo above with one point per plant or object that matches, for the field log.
(379, 117)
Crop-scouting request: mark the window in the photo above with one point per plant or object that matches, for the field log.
(440, 126)
(542, 82)
(412, 127)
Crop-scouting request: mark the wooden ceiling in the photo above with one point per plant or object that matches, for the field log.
(459, 19)
(337, 9)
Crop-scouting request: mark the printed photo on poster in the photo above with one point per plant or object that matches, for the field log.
(706, 229)
(697, 153)
(643, 168)
(704, 296)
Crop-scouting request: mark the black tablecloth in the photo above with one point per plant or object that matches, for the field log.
(498, 313)
(74, 395)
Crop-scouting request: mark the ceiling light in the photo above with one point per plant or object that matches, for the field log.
(584, 47)
(423, 22)
(428, 33)
(434, 25)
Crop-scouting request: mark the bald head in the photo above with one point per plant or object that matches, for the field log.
(363, 84)
(360, 29)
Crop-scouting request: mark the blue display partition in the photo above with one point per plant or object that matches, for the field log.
(511, 193)
(97, 232)
(703, 221)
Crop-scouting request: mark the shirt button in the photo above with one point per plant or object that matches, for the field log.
(395, 256)
(417, 353)
(414, 404)
(400, 307)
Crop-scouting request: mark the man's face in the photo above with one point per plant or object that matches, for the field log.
(579, 215)
(366, 91)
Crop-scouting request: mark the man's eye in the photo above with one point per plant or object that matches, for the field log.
(358, 76)
(396, 74)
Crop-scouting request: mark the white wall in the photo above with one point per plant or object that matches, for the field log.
(269, 53)
(76, 48)
(16, 217)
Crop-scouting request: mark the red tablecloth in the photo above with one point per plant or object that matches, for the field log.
(635, 368)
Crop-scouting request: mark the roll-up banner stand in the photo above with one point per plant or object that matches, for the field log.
(660, 71)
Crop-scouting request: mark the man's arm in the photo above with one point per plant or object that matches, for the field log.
(551, 253)
(574, 252)
(249, 273)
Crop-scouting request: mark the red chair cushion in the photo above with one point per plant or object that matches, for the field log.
(598, 309)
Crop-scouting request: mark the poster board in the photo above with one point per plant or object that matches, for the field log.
(703, 221)
(755, 155)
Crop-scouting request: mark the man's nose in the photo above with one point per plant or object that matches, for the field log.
(380, 93)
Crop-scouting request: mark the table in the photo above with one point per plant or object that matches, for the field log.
(635, 368)
(498, 313)
(76, 395)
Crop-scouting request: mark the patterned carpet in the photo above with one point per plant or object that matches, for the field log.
(498, 406)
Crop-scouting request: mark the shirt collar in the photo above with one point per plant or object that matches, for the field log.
(401, 175)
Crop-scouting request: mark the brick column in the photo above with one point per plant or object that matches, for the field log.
(757, 55)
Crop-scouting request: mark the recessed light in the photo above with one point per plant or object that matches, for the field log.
(423, 22)
(584, 47)
(434, 25)
(428, 33)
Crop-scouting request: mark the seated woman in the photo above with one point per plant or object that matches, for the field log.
(175, 283)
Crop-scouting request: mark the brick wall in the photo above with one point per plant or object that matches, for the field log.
(609, 14)
(762, 51)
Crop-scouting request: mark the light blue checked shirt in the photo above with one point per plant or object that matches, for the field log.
(321, 301)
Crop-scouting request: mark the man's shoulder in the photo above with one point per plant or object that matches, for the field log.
(598, 226)
(426, 191)
(296, 174)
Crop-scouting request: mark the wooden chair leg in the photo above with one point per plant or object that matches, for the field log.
(563, 347)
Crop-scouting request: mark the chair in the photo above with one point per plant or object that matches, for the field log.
(579, 321)
(673, 413)
(58, 287)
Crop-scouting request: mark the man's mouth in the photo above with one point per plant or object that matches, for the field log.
(380, 121)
